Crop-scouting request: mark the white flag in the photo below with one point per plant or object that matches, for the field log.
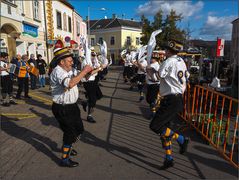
(123, 52)
(103, 51)
(87, 50)
(152, 44)
(141, 51)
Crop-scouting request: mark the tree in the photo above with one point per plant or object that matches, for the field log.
(146, 30)
(168, 25)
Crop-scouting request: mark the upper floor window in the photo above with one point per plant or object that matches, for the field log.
(128, 41)
(78, 27)
(58, 20)
(36, 9)
(9, 10)
(112, 40)
(137, 41)
(64, 22)
(69, 24)
(100, 40)
(92, 41)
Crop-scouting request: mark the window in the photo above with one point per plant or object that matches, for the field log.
(58, 20)
(100, 40)
(64, 22)
(128, 41)
(9, 11)
(69, 24)
(112, 40)
(78, 28)
(36, 9)
(137, 41)
(92, 41)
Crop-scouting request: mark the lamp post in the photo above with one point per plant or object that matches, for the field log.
(90, 8)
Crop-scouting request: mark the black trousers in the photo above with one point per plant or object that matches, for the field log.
(167, 114)
(33, 80)
(93, 92)
(152, 92)
(6, 85)
(69, 119)
(23, 83)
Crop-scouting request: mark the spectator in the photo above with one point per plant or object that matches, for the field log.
(6, 81)
(41, 65)
(23, 77)
(33, 78)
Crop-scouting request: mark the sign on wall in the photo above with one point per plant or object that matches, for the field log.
(30, 30)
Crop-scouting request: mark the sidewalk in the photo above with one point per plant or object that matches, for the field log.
(119, 146)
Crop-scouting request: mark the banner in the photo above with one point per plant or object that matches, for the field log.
(220, 47)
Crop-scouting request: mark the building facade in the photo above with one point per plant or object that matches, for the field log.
(119, 34)
(59, 23)
(22, 27)
(79, 29)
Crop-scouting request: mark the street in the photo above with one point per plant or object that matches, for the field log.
(119, 145)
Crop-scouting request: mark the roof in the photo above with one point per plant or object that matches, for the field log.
(67, 3)
(111, 23)
(235, 21)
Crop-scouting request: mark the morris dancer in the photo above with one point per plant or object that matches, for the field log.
(64, 80)
(173, 80)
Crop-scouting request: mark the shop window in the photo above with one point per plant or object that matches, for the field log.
(69, 24)
(58, 20)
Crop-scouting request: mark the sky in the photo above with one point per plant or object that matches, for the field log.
(206, 19)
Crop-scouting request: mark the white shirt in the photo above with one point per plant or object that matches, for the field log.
(144, 64)
(174, 75)
(92, 77)
(3, 65)
(59, 81)
(149, 80)
(128, 60)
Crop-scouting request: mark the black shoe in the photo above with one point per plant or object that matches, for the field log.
(100, 84)
(18, 97)
(125, 80)
(12, 102)
(28, 97)
(6, 104)
(68, 163)
(131, 88)
(73, 152)
(90, 119)
(167, 164)
(84, 105)
(184, 146)
(141, 98)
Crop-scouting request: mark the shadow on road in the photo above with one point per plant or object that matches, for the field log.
(39, 142)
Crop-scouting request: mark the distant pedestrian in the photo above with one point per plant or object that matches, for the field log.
(33, 78)
(41, 65)
(23, 77)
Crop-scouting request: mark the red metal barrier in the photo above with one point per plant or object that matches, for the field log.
(215, 117)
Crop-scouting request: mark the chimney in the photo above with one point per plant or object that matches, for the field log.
(132, 19)
(86, 18)
(114, 16)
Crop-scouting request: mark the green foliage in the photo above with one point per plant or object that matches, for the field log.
(167, 24)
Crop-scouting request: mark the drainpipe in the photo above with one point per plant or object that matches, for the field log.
(44, 9)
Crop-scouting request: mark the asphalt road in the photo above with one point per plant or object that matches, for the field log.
(119, 146)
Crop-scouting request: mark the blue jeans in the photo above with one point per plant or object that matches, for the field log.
(42, 80)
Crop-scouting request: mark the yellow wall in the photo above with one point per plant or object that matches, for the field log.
(120, 39)
(133, 35)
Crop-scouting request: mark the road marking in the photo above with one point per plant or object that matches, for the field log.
(20, 115)
(41, 98)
